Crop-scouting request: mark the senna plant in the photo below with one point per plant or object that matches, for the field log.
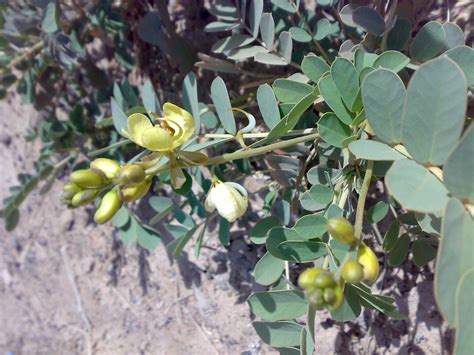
(386, 107)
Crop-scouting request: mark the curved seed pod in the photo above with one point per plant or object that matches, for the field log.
(109, 167)
(352, 272)
(307, 277)
(367, 258)
(131, 175)
(83, 197)
(338, 298)
(324, 279)
(341, 229)
(87, 178)
(108, 207)
(134, 193)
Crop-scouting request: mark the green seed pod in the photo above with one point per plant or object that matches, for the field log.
(134, 193)
(329, 295)
(341, 229)
(131, 175)
(352, 272)
(87, 178)
(307, 277)
(83, 197)
(338, 298)
(324, 279)
(367, 258)
(109, 167)
(108, 207)
(315, 297)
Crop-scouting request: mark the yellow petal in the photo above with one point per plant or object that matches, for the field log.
(181, 118)
(156, 138)
(137, 123)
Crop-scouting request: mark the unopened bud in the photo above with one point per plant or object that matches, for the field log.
(108, 207)
(109, 167)
(367, 258)
(341, 229)
(86, 178)
(134, 193)
(131, 175)
(83, 197)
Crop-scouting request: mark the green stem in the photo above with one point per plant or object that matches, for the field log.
(361, 201)
(30, 52)
(263, 134)
(109, 147)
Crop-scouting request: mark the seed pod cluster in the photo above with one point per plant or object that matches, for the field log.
(322, 290)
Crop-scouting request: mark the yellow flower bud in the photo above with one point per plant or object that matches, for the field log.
(367, 258)
(230, 200)
(87, 178)
(83, 197)
(109, 167)
(69, 190)
(341, 229)
(134, 193)
(131, 175)
(108, 207)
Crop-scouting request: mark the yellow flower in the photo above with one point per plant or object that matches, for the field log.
(172, 130)
(230, 200)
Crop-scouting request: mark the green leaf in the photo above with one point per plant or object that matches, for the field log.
(177, 245)
(12, 219)
(310, 226)
(429, 222)
(457, 172)
(119, 118)
(464, 341)
(278, 305)
(218, 26)
(332, 130)
(363, 17)
(147, 237)
(286, 244)
(245, 52)
(383, 95)
(454, 259)
(286, 5)
(221, 101)
(464, 57)
(267, 30)
(286, 45)
(322, 29)
(300, 35)
(399, 252)
(333, 99)
(224, 232)
(279, 334)
(322, 175)
(268, 269)
(399, 35)
(291, 119)
(392, 60)
(149, 98)
(429, 42)
(121, 218)
(316, 198)
(346, 80)
(415, 187)
(128, 233)
(373, 150)
(454, 35)
(190, 99)
(255, 14)
(291, 91)
(228, 43)
(377, 212)
(423, 252)
(314, 67)
(268, 105)
(270, 59)
(259, 233)
(350, 308)
(50, 21)
(436, 91)
(363, 59)
(391, 236)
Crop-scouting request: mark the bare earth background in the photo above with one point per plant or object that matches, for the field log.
(68, 286)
